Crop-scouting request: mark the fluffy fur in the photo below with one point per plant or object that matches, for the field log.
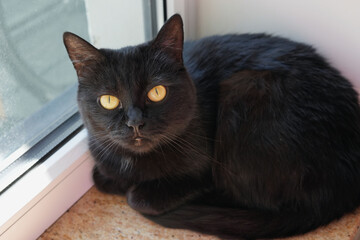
(258, 136)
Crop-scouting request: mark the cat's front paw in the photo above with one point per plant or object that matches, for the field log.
(141, 201)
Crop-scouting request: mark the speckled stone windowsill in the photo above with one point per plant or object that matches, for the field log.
(102, 216)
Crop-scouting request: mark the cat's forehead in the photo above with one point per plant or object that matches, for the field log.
(136, 67)
(125, 66)
(133, 56)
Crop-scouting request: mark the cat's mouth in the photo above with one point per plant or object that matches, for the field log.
(139, 141)
(140, 144)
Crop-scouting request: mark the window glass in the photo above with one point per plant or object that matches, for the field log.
(37, 80)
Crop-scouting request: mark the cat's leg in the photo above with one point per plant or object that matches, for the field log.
(161, 195)
(107, 184)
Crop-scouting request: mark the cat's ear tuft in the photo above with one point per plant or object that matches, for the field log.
(82, 54)
(171, 37)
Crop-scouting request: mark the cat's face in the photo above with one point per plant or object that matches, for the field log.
(136, 97)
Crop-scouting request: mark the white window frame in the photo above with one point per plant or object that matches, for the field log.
(40, 197)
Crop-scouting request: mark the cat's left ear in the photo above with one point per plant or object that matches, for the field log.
(82, 54)
(171, 38)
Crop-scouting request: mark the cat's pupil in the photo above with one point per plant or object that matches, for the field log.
(157, 93)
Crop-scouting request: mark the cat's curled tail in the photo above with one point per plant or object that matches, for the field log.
(229, 223)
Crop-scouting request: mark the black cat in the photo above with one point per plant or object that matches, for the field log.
(240, 136)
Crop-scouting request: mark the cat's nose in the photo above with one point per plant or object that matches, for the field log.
(135, 118)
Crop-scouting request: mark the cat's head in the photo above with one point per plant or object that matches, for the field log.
(137, 97)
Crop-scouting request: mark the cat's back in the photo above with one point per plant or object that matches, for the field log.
(218, 57)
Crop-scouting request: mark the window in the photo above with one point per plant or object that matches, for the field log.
(38, 82)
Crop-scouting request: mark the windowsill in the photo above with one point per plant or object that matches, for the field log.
(41, 196)
(105, 216)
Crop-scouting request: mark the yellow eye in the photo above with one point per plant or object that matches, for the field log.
(109, 102)
(157, 93)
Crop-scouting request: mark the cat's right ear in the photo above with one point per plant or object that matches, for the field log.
(82, 54)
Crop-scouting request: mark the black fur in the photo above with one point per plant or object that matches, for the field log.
(258, 137)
